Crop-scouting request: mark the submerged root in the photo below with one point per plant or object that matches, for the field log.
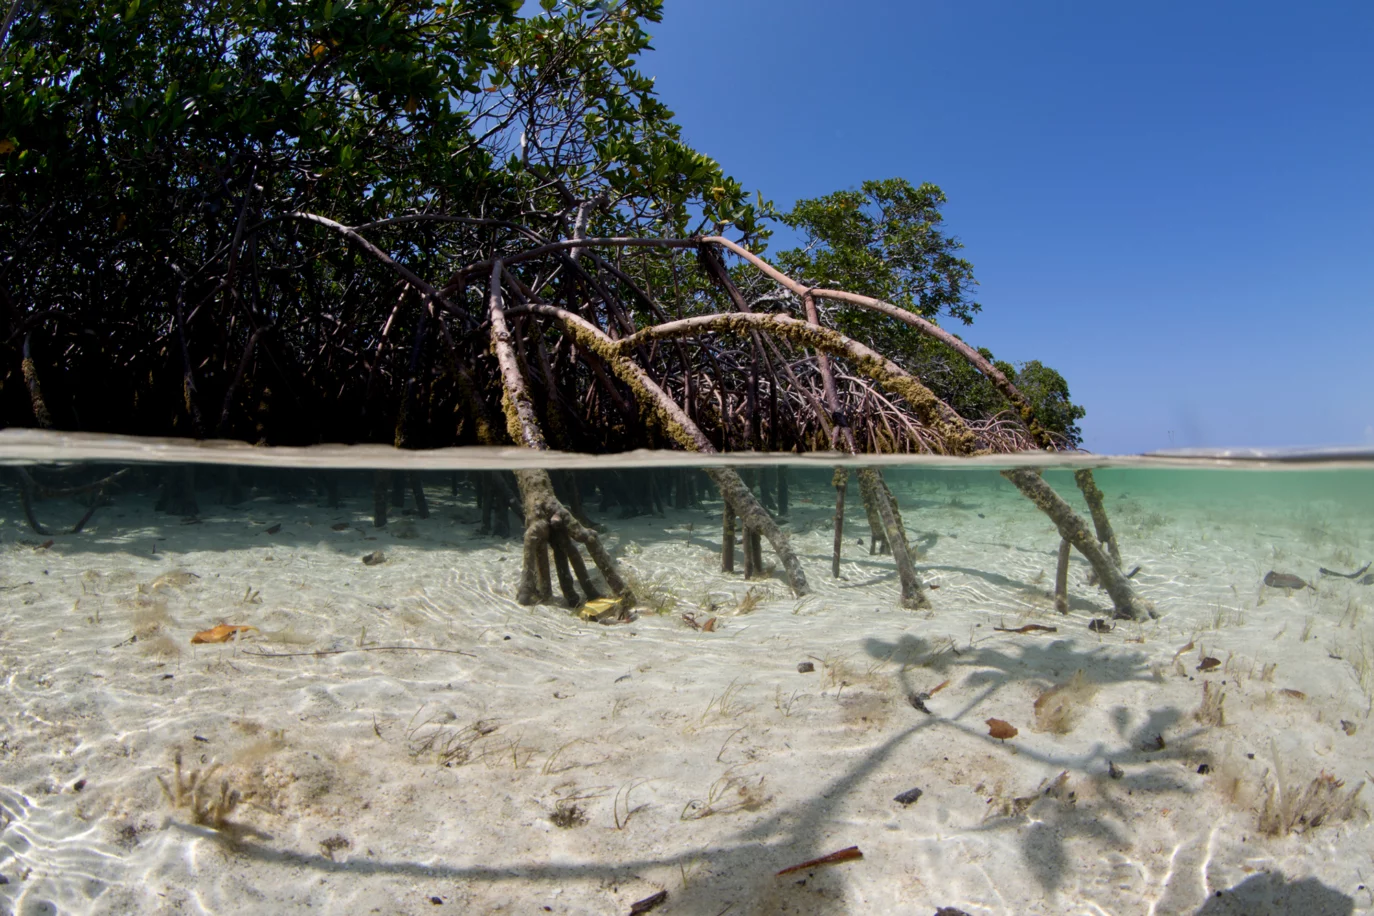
(549, 526)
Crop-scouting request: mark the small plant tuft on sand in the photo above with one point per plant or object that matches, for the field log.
(1058, 709)
(728, 794)
(1285, 810)
(188, 789)
(1211, 712)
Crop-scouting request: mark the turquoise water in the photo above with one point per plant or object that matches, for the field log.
(396, 727)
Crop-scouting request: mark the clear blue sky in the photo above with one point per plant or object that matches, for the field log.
(1170, 203)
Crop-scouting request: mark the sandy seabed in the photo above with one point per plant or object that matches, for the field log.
(539, 763)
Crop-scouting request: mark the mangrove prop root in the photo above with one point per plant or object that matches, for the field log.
(727, 538)
(1128, 606)
(29, 487)
(418, 491)
(841, 484)
(381, 487)
(1103, 525)
(1061, 578)
(550, 526)
(30, 372)
(913, 597)
(877, 535)
(754, 517)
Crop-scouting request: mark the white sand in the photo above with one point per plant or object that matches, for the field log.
(696, 762)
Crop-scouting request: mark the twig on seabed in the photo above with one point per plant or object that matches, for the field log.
(648, 903)
(368, 649)
(848, 854)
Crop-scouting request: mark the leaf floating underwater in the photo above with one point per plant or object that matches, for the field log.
(1285, 580)
(606, 610)
(1001, 730)
(222, 633)
(1209, 663)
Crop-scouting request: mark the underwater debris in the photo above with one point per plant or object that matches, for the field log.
(1101, 625)
(1349, 727)
(375, 558)
(605, 610)
(340, 526)
(274, 529)
(1208, 663)
(849, 854)
(222, 633)
(648, 903)
(567, 814)
(708, 625)
(333, 844)
(806, 667)
(1355, 575)
(1028, 628)
(1114, 771)
(1293, 694)
(918, 700)
(1285, 581)
(1001, 729)
(909, 797)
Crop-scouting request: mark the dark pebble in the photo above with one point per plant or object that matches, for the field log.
(1100, 625)
(805, 668)
(1204, 769)
(435, 900)
(79, 785)
(909, 797)
(949, 911)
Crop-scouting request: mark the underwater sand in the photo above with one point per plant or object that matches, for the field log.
(545, 764)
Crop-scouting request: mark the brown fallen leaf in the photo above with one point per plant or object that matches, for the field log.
(1028, 628)
(1001, 730)
(1209, 663)
(222, 633)
(1295, 694)
(710, 625)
